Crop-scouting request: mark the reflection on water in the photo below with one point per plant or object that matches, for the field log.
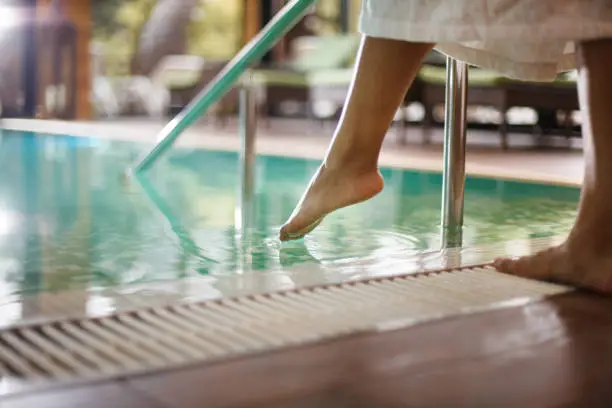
(68, 219)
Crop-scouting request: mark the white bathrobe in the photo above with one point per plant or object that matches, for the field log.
(524, 39)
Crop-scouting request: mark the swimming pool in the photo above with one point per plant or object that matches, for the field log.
(69, 220)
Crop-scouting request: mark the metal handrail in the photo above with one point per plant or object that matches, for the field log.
(282, 22)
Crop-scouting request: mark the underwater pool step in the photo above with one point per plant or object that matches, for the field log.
(188, 333)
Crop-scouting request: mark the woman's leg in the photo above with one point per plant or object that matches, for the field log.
(349, 174)
(585, 259)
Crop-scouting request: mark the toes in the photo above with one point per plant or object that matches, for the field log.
(534, 267)
(292, 228)
(509, 266)
(290, 234)
(501, 265)
(283, 234)
(548, 265)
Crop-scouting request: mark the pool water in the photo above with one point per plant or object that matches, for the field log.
(68, 219)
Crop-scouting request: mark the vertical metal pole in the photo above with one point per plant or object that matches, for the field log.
(453, 183)
(248, 129)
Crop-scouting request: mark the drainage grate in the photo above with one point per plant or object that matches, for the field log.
(180, 334)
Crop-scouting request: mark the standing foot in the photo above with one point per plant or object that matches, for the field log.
(330, 189)
(584, 263)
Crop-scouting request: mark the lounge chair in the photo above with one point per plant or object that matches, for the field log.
(320, 70)
(176, 73)
(487, 88)
(186, 75)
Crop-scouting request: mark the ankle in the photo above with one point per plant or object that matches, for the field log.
(350, 153)
(353, 166)
(352, 159)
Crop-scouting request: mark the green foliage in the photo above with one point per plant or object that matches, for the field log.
(214, 33)
(117, 27)
(216, 29)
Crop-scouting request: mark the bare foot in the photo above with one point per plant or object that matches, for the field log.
(329, 190)
(580, 263)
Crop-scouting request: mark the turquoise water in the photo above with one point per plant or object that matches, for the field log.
(68, 219)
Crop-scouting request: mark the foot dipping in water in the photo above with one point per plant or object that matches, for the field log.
(532, 40)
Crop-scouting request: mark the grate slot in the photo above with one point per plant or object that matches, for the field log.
(39, 358)
(55, 351)
(114, 353)
(5, 372)
(142, 341)
(232, 342)
(127, 345)
(175, 350)
(244, 309)
(196, 346)
(243, 337)
(284, 313)
(20, 365)
(82, 350)
(184, 322)
(190, 343)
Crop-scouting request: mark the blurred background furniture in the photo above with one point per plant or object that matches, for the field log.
(487, 88)
(319, 70)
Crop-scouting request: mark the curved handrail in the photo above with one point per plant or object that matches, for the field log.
(282, 22)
